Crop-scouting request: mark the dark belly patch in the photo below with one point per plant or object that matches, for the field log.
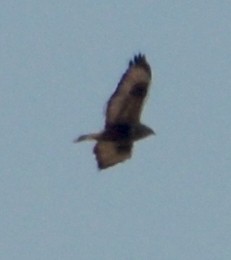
(118, 131)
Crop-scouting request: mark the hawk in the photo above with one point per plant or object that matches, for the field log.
(122, 124)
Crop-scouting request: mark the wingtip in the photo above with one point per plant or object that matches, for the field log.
(137, 59)
(76, 140)
(140, 60)
(80, 138)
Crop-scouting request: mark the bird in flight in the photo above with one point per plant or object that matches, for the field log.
(122, 125)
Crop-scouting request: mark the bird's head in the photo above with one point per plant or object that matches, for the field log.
(143, 131)
(148, 131)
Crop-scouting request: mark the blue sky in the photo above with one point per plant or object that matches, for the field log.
(60, 62)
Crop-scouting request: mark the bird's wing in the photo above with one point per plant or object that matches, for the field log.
(125, 105)
(110, 153)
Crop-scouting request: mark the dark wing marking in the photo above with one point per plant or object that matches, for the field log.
(110, 153)
(125, 105)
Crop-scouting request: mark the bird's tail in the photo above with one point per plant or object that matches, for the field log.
(88, 137)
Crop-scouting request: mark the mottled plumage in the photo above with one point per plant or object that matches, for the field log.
(122, 124)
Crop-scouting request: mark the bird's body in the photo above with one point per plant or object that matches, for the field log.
(122, 126)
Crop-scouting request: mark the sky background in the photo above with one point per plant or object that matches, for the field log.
(60, 62)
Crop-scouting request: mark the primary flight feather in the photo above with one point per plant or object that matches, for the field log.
(122, 124)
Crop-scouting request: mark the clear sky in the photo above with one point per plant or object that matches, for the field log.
(60, 62)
